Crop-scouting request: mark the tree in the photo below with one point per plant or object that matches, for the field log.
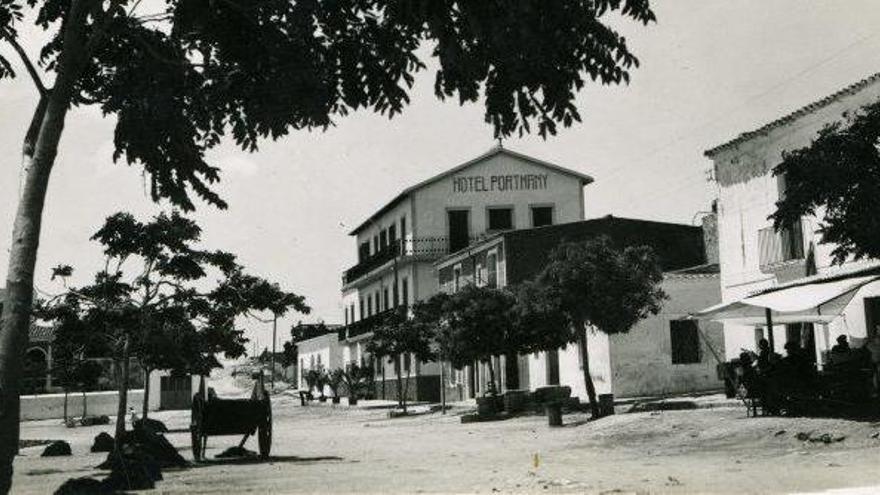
(398, 337)
(596, 287)
(839, 175)
(179, 78)
(478, 325)
(144, 303)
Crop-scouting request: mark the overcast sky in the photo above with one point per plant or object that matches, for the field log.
(710, 70)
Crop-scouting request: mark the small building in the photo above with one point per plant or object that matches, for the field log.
(663, 354)
(322, 351)
(787, 275)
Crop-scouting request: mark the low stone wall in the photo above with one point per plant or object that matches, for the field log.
(51, 406)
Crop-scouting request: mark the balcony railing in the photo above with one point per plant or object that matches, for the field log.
(778, 247)
(366, 325)
(426, 248)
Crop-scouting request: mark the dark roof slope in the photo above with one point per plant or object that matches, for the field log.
(585, 179)
(677, 246)
(812, 107)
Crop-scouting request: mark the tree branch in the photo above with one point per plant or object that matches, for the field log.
(31, 68)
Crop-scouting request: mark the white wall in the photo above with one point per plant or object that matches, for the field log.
(747, 193)
(563, 191)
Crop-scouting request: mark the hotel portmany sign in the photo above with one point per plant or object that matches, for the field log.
(492, 183)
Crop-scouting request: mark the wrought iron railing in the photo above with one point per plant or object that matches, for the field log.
(426, 248)
(366, 325)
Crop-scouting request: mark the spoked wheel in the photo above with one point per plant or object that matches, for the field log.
(264, 435)
(196, 426)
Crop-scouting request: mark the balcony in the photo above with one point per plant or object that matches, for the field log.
(423, 248)
(366, 325)
(779, 248)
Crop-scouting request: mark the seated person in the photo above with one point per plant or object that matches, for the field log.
(767, 359)
(799, 369)
(841, 352)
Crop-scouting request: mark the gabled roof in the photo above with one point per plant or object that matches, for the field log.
(497, 150)
(812, 107)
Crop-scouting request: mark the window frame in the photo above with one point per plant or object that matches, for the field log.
(509, 208)
(533, 206)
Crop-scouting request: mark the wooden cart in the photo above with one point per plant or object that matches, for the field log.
(213, 416)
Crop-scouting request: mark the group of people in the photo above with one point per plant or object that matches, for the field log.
(777, 380)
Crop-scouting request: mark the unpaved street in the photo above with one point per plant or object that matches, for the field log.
(319, 448)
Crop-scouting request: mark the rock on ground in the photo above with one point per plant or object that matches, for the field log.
(57, 448)
(103, 442)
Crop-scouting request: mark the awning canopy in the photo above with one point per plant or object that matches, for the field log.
(818, 302)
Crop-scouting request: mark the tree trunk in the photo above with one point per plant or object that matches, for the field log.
(39, 152)
(493, 390)
(66, 392)
(401, 400)
(588, 379)
(122, 387)
(85, 405)
(146, 405)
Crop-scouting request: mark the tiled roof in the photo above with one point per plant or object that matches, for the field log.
(41, 333)
(812, 107)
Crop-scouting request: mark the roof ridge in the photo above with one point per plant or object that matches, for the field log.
(585, 179)
(822, 102)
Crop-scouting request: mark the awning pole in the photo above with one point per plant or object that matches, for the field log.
(769, 329)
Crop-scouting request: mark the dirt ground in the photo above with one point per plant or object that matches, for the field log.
(339, 449)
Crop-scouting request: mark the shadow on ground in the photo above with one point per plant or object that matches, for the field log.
(258, 460)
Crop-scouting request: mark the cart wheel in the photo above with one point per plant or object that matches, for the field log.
(196, 423)
(264, 436)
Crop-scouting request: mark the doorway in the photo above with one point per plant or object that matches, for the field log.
(459, 229)
(872, 315)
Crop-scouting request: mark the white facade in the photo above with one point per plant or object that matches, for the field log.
(747, 194)
(443, 214)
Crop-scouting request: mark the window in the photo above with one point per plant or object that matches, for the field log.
(364, 250)
(383, 240)
(385, 300)
(375, 244)
(396, 296)
(407, 363)
(685, 340)
(346, 316)
(404, 285)
(492, 270)
(403, 227)
(378, 302)
(500, 218)
(370, 305)
(363, 315)
(456, 278)
(392, 234)
(542, 215)
(459, 229)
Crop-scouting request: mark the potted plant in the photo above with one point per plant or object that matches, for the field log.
(356, 379)
(334, 380)
(313, 379)
(321, 382)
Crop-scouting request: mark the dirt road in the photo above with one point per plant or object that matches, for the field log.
(321, 449)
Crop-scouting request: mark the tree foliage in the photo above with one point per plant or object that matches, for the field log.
(180, 78)
(592, 285)
(153, 299)
(602, 286)
(837, 176)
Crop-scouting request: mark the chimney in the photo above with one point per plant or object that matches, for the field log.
(710, 234)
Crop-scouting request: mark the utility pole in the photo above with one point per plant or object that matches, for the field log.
(274, 330)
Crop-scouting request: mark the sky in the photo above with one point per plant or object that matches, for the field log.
(710, 69)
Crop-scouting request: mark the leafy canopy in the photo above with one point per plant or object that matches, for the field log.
(180, 77)
(602, 286)
(839, 174)
(154, 294)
